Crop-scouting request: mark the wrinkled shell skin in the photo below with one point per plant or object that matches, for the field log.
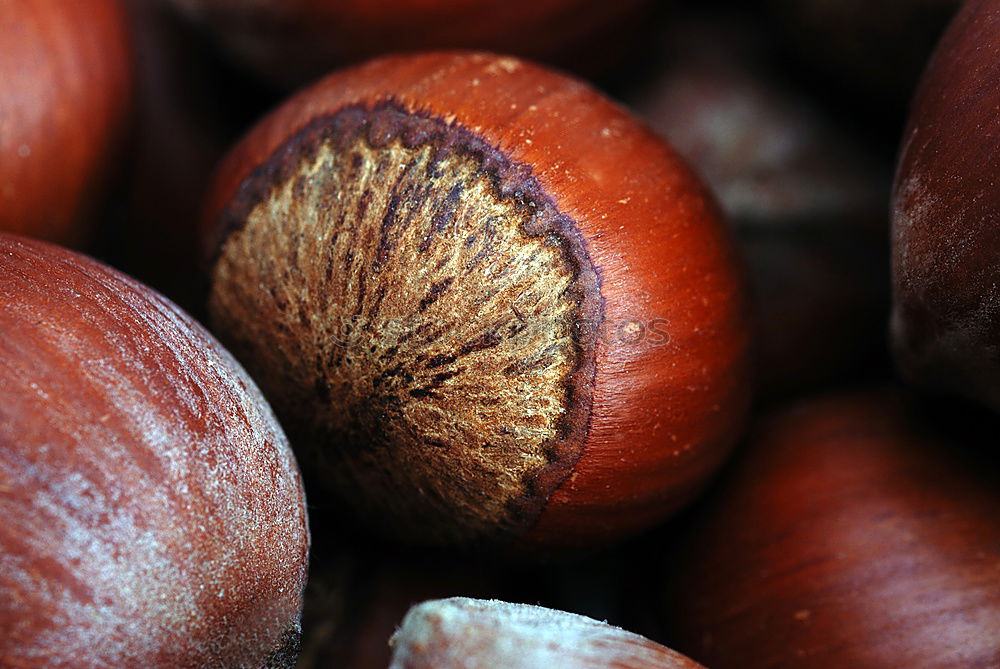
(844, 537)
(463, 633)
(294, 40)
(663, 417)
(946, 216)
(153, 511)
(65, 103)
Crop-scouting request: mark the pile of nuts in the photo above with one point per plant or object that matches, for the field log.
(518, 317)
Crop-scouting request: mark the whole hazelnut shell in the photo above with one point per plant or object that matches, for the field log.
(546, 337)
(845, 536)
(65, 104)
(153, 511)
(946, 216)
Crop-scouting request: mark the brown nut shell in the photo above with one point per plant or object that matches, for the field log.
(946, 216)
(65, 103)
(846, 536)
(153, 511)
(546, 331)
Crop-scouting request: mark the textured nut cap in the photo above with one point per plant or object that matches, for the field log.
(845, 536)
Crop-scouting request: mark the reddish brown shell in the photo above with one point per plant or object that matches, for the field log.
(664, 412)
(153, 511)
(65, 102)
(845, 537)
(293, 40)
(946, 215)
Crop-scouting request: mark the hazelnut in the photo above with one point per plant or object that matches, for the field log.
(64, 105)
(493, 305)
(846, 536)
(945, 220)
(153, 511)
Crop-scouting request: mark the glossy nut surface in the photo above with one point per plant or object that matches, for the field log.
(65, 102)
(497, 306)
(153, 513)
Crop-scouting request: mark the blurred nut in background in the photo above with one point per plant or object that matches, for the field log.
(296, 40)
(490, 306)
(65, 108)
(844, 535)
(463, 633)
